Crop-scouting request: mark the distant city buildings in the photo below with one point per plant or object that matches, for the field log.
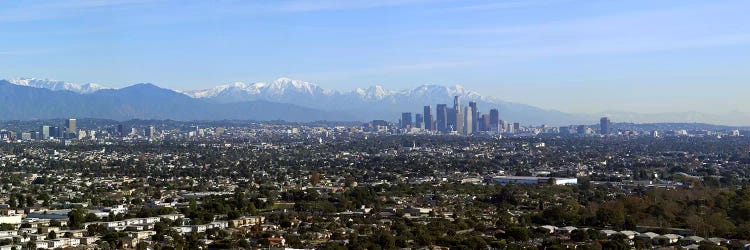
(604, 126)
(468, 120)
(427, 116)
(406, 120)
(72, 129)
(441, 118)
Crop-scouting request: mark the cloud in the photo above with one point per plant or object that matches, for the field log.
(327, 5)
(497, 5)
(22, 52)
(60, 9)
(685, 27)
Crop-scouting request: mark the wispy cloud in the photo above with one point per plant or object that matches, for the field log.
(644, 31)
(487, 6)
(60, 9)
(22, 52)
(326, 5)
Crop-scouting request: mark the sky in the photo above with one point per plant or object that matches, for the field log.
(588, 56)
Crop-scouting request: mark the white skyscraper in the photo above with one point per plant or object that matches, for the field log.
(468, 120)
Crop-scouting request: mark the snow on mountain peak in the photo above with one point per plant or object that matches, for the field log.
(55, 85)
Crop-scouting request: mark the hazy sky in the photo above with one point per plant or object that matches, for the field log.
(575, 56)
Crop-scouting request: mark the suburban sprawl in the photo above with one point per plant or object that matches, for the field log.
(101, 184)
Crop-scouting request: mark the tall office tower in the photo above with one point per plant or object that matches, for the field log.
(565, 130)
(405, 119)
(150, 132)
(478, 121)
(494, 120)
(457, 104)
(485, 123)
(120, 131)
(452, 122)
(475, 115)
(517, 127)
(604, 126)
(441, 118)
(468, 121)
(418, 120)
(46, 132)
(428, 118)
(71, 128)
(56, 132)
(509, 127)
(459, 122)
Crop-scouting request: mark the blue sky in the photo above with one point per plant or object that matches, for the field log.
(576, 56)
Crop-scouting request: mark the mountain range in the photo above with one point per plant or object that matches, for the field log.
(283, 99)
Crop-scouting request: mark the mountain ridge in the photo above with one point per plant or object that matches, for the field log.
(377, 102)
(141, 101)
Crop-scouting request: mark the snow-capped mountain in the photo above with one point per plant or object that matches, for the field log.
(260, 90)
(375, 102)
(286, 99)
(289, 89)
(54, 85)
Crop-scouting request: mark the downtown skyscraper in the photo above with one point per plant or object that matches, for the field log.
(427, 116)
(441, 118)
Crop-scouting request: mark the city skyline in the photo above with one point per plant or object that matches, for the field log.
(573, 56)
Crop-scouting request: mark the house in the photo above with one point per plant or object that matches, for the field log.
(648, 236)
(549, 228)
(142, 234)
(667, 239)
(609, 233)
(629, 234)
(566, 230)
(691, 240)
(247, 221)
(719, 241)
(276, 241)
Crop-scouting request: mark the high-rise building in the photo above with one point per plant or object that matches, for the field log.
(418, 120)
(564, 130)
(457, 103)
(581, 129)
(46, 132)
(120, 130)
(459, 121)
(150, 132)
(516, 127)
(441, 118)
(452, 122)
(56, 132)
(495, 120)
(71, 128)
(475, 115)
(468, 121)
(406, 119)
(428, 118)
(604, 126)
(485, 125)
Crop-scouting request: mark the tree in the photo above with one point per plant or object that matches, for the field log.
(52, 235)
(7, 227)
(518, 233)
(579, 235)
(76, 218)
(315, 178)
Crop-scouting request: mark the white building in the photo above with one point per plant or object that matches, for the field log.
(534, 180)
